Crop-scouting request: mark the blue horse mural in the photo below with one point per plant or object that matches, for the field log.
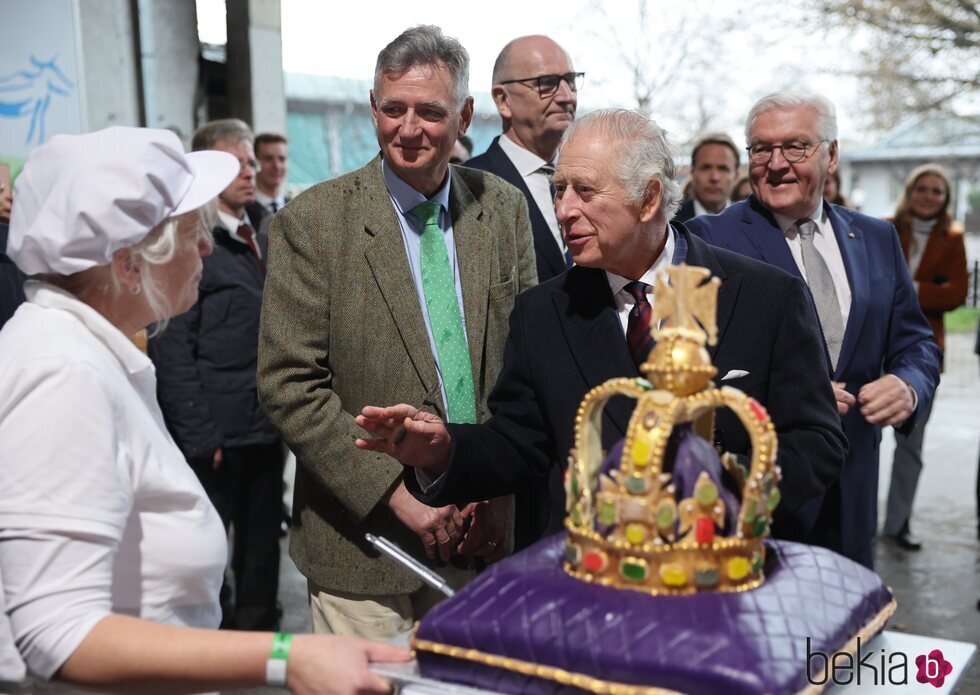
(28, 93)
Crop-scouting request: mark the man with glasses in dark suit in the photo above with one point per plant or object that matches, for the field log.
(535, 89)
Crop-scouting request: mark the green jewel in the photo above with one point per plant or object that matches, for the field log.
(665, 515)
(633, 571)
(707, 576)
(607, 513)
(644, 384)
(759, 525)
(751, 508)
(706, 492)
(637, 484)
(773, 501)
(576, 516)
(756, 563)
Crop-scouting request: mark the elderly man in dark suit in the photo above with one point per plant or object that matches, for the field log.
(386, 284)
(535, 89)
(880, 351)
(616, 192)
(206, 364)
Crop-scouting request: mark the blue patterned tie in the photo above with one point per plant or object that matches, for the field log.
(445, 319)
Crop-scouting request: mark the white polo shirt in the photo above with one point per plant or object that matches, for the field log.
(99, 511)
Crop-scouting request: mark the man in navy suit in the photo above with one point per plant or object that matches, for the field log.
(882, 359)
(535, 89)
(569, 335)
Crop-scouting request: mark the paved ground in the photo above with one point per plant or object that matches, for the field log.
(938, 588)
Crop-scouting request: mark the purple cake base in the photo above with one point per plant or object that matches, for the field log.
(528, 610)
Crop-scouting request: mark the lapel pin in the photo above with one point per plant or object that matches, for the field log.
(851, 235)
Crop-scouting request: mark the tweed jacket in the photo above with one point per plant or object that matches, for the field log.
(342, 328)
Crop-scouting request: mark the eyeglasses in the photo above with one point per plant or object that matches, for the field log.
(793, 151)
(548, 84)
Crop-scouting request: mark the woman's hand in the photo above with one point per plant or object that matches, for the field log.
(338, 665)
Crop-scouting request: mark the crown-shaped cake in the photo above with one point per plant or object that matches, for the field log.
(663, 512)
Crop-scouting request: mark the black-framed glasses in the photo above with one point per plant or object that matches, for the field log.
(548, 84)
(793, 151)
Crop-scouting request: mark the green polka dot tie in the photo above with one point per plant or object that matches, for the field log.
(444, 316)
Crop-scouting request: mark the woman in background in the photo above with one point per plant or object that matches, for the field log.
(111, 554)
(936, 256)
(832, 192)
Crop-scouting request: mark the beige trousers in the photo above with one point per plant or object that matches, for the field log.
(376, 617)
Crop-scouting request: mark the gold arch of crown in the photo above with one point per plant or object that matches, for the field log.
(652, 542)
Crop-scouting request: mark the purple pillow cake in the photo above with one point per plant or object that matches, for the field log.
(666, 581)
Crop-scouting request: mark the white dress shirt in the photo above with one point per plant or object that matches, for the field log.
(825, 242)
(528, 165)
(623, 299)
(699, 209)
(266, 201)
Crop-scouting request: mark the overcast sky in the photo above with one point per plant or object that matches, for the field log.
(743, 63)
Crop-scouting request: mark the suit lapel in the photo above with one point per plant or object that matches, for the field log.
(473, 252)
(544, 242)
(700, 254)
(763, 234)
(595, 338)
(386, 256)
(854, 252)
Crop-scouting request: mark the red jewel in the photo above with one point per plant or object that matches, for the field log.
(704, 530)
(757, 410)
(593, 561)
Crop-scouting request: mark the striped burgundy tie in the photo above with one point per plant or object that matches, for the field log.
(247, 234)
(638, 327)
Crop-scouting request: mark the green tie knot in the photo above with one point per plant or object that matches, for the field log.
(427, 213)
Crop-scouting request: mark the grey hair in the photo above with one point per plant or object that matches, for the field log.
(426, 45)
(822, 107)
(641, 155)
(231, 130)
(155, 249)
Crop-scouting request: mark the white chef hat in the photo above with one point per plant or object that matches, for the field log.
(80, 198)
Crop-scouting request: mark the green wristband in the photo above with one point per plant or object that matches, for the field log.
(275, 667)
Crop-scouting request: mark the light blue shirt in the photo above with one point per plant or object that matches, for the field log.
(404, 198)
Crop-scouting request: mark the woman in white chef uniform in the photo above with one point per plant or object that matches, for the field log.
(111, 555)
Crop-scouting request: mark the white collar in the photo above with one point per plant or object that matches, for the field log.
(48, 296)
(266, 200)
(785, 223)
(232, 223)
(663, 261)
(525, 161)
(699, 209)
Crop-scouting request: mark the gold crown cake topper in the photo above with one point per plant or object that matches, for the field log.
(667, 515)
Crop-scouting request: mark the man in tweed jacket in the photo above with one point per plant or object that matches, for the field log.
(345, 323)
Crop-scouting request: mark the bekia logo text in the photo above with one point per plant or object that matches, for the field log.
(874, 667)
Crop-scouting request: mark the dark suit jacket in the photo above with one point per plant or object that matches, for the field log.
(565, 339)
(885, 332)
(550, 261)
(686, 211)
(342, 328)
(206, 358)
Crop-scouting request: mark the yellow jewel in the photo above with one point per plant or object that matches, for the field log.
(673, 574)
(636, 533)
(738, 568)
